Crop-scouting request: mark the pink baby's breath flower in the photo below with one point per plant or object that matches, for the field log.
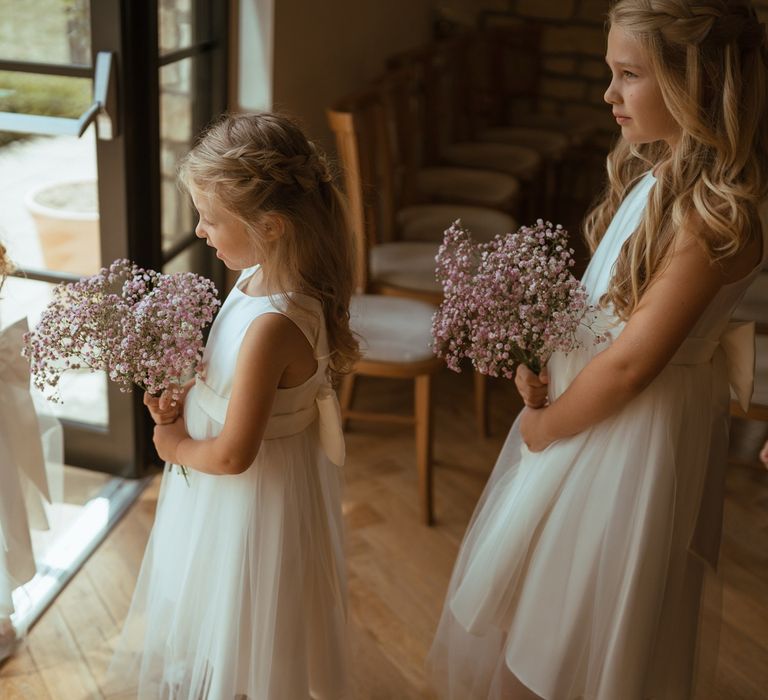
(510, 301)
(139, 326)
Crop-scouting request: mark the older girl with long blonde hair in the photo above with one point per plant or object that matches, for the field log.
(581, 574)
(242, 591)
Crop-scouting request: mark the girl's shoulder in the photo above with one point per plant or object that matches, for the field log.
(734, 267)
(250, 302)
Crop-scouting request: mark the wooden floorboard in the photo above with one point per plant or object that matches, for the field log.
(398, 569)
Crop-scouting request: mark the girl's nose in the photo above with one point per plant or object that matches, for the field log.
(611, 95)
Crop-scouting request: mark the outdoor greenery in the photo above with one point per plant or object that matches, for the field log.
(47, 31)
(49, 95)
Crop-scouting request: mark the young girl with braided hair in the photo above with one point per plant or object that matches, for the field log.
(582, 571)
(242, 590)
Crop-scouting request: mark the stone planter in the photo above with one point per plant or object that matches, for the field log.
(67, 220)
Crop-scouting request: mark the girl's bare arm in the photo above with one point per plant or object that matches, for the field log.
(662, 320)
(271, 344)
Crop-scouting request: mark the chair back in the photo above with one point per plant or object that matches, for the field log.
(343, 126)
(510, 63)
(402, 100)
(436, 128)
(446, 95)
(364, 145)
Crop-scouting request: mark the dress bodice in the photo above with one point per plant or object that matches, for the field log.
(294, 408)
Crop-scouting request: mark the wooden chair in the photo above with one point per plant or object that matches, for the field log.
(754, 307)
(418, 182)
(758, 409)
(400, 243)
(395, 258)
(504, 61)
(453, 141)
(505, 64)
(446, 132)
(395, 331)
(395, 335)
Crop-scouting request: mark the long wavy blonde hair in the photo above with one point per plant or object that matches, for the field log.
(257, 164)
(710, 60)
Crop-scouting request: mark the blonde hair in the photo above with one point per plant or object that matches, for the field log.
(710, 60)
(257, 164)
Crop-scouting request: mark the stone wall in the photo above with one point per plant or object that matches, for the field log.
(574, 75)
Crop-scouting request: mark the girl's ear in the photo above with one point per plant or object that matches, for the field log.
(272, 226)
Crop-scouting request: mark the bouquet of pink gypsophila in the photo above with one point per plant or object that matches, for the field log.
(509, 301)
(139, 326)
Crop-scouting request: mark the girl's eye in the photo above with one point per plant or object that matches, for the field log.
(628, 74)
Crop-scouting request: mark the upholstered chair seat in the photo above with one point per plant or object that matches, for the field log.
(576, 130)
(490, 189)
(428, 222)
(550, 145)
(405, 266)
(518, 161)
(395, 342)
(373, 316)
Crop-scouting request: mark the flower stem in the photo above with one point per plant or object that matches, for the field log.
(184, 472)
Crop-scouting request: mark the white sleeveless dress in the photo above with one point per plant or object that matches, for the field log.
(581, 571)
(242, 591)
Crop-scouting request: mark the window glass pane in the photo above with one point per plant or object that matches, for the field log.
(50, 221)
(197, 258)
(46, 31)
(177, 109)
(189, 260)
(48, 198)
(180, 24)
(83, 393)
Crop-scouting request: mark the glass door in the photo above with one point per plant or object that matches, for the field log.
(98, 100)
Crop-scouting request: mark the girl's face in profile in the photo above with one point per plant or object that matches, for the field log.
(634, 93)
(222, 231)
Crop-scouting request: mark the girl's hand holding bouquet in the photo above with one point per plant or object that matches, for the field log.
(167, 437)
(508, 305)
(165, 409)
(532, 387)
(140, 326)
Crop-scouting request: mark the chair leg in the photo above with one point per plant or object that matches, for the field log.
(423, 414)
(481, 404)
(346, 393)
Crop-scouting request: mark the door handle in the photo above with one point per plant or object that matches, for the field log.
(103, 109)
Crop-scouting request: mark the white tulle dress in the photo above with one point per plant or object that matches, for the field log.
(580, 574)
(242, 591)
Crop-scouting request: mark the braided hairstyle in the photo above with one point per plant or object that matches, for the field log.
(710, 59)
(257, 164)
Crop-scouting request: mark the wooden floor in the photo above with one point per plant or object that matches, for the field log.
(398, 569)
